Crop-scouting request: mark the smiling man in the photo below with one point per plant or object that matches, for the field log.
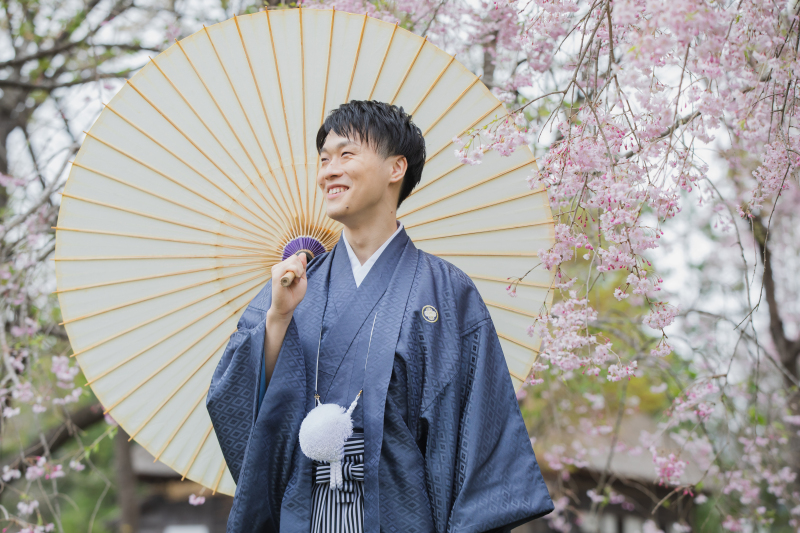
(435, 441)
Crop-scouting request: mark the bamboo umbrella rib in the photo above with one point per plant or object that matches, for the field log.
(268, 228)
(514, 374)
(408, 70)
(453, 103)
(193, 143)
(517, 342)
(224, 116)
(159, 317)
(468, 187)
(424, 96)
(383, 61)
(266, 119)
(161, 219)
(175, 431)
(159, 295)
(355, 61)
(130, 358)
(318, 212)
(476, 208)
(179, 204)
(448, 143)
(174, 358)
(197, 451)
(306, 227)
(250, 125)
(512, 309)
(283, 106)
(156, 276)
(153, 238)
(508, 281)
(182, 383)
(486, 230)
(219, 477)
(134, 257)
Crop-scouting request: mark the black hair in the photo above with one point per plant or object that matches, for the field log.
(384, 127)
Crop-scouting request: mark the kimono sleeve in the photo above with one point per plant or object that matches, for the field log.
(232, 400)
(480, 462)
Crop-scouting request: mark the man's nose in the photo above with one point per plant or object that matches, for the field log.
(331, 170)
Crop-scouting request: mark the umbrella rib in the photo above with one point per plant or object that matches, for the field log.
(179, 387)
(179, 204)
(268, 228)
(307, 212)
(383, 61)
(156, 276)
(153, 238)
(459, 191)
(355, 61)
(269, 126)
(191, 141)
(219, 477)
(174, 358)
(159, 317)
(197, 451)
(224, 116)
(408, 70)
(316, 230)
(176, 156)
(249, 124)
(160, 219)
(486, 230)
(506, 280)
(453, 103)
(476, 208)
(513, 374)
(513, 310)
(424, 96)
(283, 106)
(430, 157)
(133, 257)
(515, 341)
(154, 296)
(175, 431)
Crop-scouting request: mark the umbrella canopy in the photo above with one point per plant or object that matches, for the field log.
(199, 175)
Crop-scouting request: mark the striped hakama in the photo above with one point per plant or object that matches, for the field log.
(340, 510)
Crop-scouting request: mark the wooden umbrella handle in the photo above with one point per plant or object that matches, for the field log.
(288, 278)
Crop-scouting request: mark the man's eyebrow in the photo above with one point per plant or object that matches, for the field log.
(340, 144)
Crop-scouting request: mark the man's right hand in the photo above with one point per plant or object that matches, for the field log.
(286, 299)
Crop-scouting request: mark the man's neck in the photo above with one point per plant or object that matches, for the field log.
(366, 239)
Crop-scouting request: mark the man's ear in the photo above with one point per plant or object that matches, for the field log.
(398, 169)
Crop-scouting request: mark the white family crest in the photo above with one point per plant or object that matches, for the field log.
(430, 313)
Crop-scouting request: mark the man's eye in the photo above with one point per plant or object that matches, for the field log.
(347, 153)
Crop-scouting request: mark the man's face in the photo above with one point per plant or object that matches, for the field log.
(357, 182)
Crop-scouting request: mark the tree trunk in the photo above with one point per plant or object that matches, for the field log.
(126, 484)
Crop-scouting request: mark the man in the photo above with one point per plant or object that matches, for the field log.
(439, 443)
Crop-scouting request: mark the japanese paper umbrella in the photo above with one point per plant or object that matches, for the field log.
(199, 175)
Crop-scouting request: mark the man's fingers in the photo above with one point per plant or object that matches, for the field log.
(293, 267)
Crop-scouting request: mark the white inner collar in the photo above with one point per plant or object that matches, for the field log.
(360, 271)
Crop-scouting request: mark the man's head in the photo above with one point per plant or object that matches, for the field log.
(373, 154)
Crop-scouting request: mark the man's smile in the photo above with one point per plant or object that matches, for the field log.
(336, 191)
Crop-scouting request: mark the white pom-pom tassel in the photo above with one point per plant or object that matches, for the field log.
(323, 434)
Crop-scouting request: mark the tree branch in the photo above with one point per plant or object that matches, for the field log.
(81, 419)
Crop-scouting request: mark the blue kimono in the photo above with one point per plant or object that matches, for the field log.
(446, 448)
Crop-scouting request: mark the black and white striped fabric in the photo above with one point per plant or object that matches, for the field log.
(340, 510)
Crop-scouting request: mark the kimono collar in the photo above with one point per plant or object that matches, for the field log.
(360, 271)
